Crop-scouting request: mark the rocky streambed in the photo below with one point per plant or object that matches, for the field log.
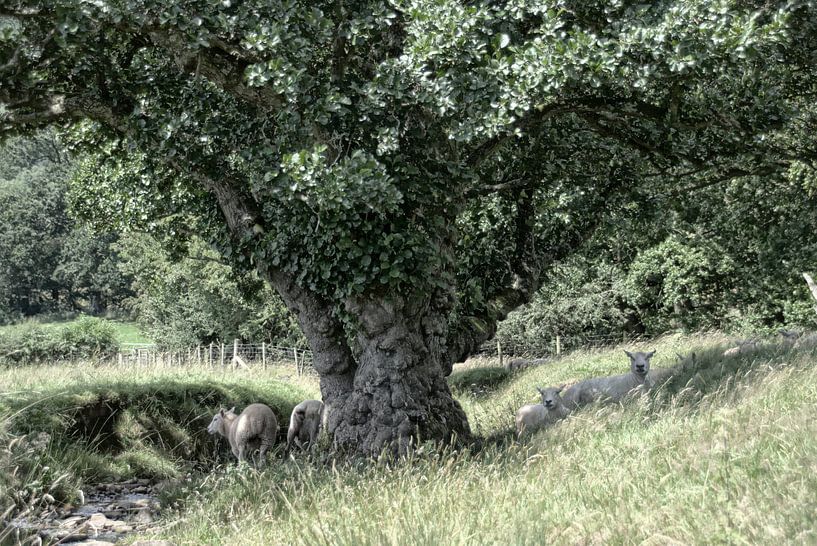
(108, 513)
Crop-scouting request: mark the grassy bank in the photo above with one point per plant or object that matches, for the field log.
(726, 453)
(65, 426)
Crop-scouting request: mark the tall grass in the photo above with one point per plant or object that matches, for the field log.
(724, 454)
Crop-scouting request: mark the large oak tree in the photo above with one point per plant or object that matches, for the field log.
(403, 172)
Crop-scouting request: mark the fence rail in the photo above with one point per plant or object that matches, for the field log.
(217, 354)
(553, 346)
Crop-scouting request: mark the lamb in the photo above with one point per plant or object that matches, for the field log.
(305, 423)
(535, 416)
(614, 387)
(255, 428)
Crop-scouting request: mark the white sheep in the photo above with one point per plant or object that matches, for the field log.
(745, 346)
(255, 429)
(305, 423)
(660, 376)
(534, 416)
(614, 387)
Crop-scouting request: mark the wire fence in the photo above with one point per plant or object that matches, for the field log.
(553, 346)
(225, 355)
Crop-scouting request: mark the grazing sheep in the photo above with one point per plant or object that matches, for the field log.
(255, 428)
(535, 416)
(305, 423)
(614, 387)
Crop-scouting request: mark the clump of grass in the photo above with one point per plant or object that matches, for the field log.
(110, 423)
(724, 454)
(477, 381)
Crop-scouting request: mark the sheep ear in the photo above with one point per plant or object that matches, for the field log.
(232, 410)
(649, 355)
(221, 412)
(540, 390)
(561, 387)
(628, 353)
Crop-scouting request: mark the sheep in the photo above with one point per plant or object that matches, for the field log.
(796, 339)
(535, 416)
(518, 364)
(614, 387)
(255, 428)
(305, 423)
(659, 376)
(745, 346)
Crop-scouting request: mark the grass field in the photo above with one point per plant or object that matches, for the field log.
(726, 453)
(126, 331)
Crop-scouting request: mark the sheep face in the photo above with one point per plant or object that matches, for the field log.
(551, 397)
(640, 362)
(219, 423)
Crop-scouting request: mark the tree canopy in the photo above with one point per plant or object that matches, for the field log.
(404, 172)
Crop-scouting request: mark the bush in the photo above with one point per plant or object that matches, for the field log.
(88, 337)
(31, 342)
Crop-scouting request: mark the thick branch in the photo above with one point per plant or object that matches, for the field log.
(528, 265)
(221, 66)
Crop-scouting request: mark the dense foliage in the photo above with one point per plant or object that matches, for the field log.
(85, 338)
(49, 262)
(195, 299)
(405, 173)
(729, 257)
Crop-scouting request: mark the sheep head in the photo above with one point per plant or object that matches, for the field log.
(640, 362)
(219, 423)
(551, 396)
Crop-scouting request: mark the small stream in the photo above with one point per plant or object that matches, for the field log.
(110, 512)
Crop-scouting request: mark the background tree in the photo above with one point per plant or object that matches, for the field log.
(48, 262)
(193, 299)
(403, 173)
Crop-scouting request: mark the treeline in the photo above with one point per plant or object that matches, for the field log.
(728, 256)
(51, 263)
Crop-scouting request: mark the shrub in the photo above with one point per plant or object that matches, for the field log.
(88, 337)
(31, 343)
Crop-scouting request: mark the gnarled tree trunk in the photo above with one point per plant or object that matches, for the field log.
(391, 390)
(399, 394)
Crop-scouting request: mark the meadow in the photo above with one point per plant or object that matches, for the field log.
(126, 331)
(726, 453)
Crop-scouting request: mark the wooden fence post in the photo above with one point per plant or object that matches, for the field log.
(264, 354)
(235, 349)
(210, 355)
(499, 352)
(812, 286)
(558, 345)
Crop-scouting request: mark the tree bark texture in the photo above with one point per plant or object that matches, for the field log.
(391, 391)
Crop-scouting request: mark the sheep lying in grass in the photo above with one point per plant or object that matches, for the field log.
(745, 346)
(659, 376)
(614, 387)
(518, 364)
(255, 429)
(799, 340)
(305, 423)
(535, 416)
